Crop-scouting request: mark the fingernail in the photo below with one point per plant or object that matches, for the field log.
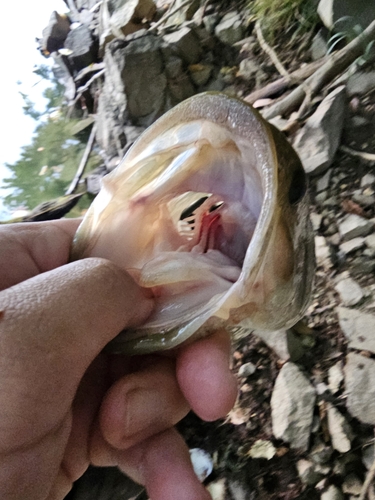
(142, 410)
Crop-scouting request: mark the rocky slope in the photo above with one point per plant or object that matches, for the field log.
(303, 424)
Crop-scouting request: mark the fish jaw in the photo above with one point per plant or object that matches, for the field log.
(239, 264)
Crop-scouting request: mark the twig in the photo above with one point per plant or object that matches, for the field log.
(368, 481)
(83, 163)
(271, 53)
(359, 154)
(335, 65)
(83, 89)
(283, 83)
(168, 15)
(98, 4)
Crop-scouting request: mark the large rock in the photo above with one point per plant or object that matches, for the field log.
(127, 15)
(82, 46)
(134, 89)
(292, 406)
(360, 387)
(353, 226)
(346, 13)
(350, 292)
(54, 35)
(319, 139)
(185, 44)
(230, 29)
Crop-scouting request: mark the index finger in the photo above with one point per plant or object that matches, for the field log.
(28, 249)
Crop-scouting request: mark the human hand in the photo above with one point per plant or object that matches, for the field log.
(64, 403)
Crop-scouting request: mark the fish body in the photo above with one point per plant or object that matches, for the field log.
(209, 211)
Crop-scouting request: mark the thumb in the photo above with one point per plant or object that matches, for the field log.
(52, 326)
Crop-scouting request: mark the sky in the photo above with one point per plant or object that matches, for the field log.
(22, 22)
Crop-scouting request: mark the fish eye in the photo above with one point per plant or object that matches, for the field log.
(298, 186)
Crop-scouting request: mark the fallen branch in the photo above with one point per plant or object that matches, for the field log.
(83, 163)
(283, 83)
(359, 154)
(82, 90)
(271, 53)
(335, 65)
(168, 15)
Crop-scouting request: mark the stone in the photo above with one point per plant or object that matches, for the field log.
(362, 199)
(334, 12)
(319, 46)
(332, 493)
(361, 83)
(352, 485)
(323, 182)
(184, 13)
(339, 430)
(82, 45)
(335, 377)
(321, 197)
(358, 328)
(353, 225)
(246, 370)
(322, 251)
(292, 407)
(185, 44)
(202, 463)
(321, 454)
(210, 22)
(367, 180)
(368, 455)
(262, 449)
(248, 69)
(126, 16)
(350, 292)
(360, 387)
(238, 491)
(277, 341)
(319, 139)
(308, 473)
(200, 73)
(352, 245)
(230, 29)
(54, 35)
(316, 220)
(370, 241)
(362, 265)
(217, 489)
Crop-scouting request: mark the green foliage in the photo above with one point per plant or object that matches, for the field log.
(46, 167)
(281, 16)
(54, 95)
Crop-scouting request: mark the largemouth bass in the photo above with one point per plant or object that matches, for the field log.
(209, 211)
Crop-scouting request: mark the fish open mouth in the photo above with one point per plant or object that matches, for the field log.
(207, 211)
(197, 240)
